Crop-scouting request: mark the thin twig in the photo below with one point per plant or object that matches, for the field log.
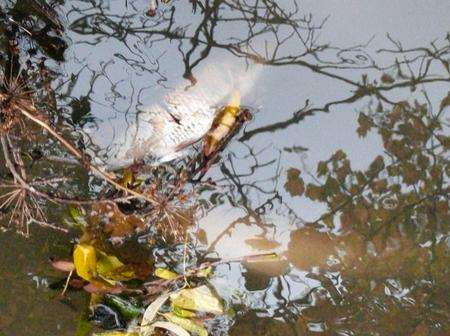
(82, 158)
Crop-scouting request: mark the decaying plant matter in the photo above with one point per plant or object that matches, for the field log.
(160, 200)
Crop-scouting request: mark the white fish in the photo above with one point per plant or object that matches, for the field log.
(163, 131)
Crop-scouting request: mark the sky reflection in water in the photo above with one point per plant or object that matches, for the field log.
(365, 238)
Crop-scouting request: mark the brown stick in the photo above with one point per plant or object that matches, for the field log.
(82, 158)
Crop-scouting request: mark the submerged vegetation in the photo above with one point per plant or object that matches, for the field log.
(373, 261)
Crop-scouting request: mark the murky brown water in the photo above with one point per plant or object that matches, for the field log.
(343, 171)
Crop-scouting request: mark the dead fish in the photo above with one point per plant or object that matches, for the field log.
(168, 129)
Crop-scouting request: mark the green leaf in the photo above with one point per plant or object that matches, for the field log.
(111, 269)
(182, 312)
(124, 307)
(198, 299)
(83, 324)
(107, 264)
(165, 274)
(187, 324)
(78, 217)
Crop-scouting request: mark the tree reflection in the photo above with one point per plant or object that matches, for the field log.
(387, 229)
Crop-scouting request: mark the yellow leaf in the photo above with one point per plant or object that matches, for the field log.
(182, 312)
(85, 260)
(204, 272)
(165, 274)
(116, 333)
(111, 269)
(187, 324)
(199, 299)
(127, 178)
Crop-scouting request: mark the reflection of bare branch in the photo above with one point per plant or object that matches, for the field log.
(238, 185)
(270, 30)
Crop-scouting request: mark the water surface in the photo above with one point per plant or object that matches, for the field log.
(343, 171)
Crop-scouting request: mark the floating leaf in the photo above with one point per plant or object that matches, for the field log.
(204, 272)
(165, 274)
(96, 287)
(100, 268)
(85, 260)
(116, 333)
(63, 265)
(172, 327)
(124, 307)
(152, 309)
(262, 243)
(111, 269)
(187, 324)
(106, 264)
(84, 326)
(127, 178)
(198, 299)
(182, 312)
(116, 222)
(77, 216)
